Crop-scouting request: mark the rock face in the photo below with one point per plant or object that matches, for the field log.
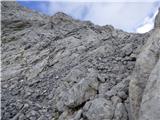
(144, 90)
(157, 20)
(151, 100)
(59, 68)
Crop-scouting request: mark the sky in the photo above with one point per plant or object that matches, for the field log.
(128, 15)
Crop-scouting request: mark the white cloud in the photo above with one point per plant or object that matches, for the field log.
(125, 16)
(129, 15)
(145, 28)
(147, 25)
(122, 15)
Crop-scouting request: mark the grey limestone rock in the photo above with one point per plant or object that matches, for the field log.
(80, 92)
(142, 76)
(157, 20)
(59, 68)
(120, 112)
(98, 109)
(151, 100)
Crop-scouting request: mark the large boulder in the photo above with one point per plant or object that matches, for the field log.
(79, 93)
(98, 109)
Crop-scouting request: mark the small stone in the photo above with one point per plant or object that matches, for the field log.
(101, 78)
(116, 100)
(57, 77)
(122, 95)
(110, 93)
(120, 112)
(78, 115)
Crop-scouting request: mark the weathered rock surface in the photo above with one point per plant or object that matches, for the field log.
(80, 92)
(151, 97)
(157, 20)
(59, 68)
(98, 109)
(144, 95)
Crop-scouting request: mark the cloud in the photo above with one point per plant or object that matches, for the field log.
(122, 14)
(148, 22)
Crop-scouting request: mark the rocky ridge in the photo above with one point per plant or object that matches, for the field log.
(59, 68)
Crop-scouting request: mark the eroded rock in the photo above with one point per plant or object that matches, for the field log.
(98, 109)
(68, 69)
(80, 92)
(146, 61)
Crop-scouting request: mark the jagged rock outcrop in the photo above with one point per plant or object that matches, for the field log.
(144, 91)
(157, 20)
(59, 68)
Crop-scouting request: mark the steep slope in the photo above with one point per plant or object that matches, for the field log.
(60, 68)
(144, 85)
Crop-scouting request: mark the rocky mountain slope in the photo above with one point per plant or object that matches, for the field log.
(59, 68)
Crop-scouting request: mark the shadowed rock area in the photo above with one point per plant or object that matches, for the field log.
(59, 68)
